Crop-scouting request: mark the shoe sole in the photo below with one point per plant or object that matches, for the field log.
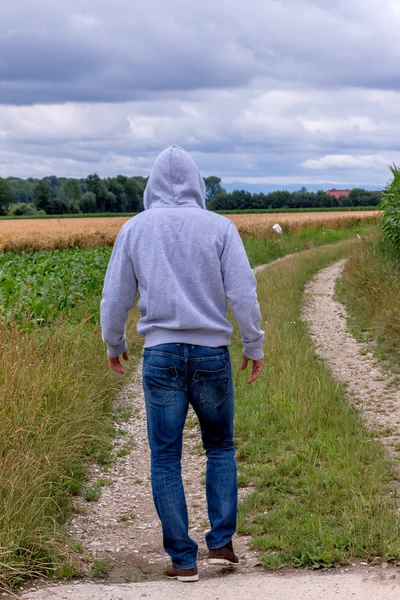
(222, 561)
(184, 578)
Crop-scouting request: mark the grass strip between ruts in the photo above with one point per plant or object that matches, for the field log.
(323, 487)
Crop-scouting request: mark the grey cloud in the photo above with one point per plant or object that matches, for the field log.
(239, 135)
(257, 89)
(102, 51)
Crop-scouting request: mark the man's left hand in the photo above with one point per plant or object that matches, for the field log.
(115, 363)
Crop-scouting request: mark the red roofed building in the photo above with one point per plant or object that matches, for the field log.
(338, 193)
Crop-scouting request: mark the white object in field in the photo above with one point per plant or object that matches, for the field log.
(277, 228)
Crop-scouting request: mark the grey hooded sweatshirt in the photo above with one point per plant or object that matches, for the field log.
(186, 263)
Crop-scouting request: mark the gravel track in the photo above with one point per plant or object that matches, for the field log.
(374, 391)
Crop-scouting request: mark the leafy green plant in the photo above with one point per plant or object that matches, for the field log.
(93, 493)
(40, 286)
(99, 568)
(390, 204)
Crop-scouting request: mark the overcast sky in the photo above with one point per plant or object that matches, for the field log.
(270, 93)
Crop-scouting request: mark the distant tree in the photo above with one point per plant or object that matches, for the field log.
(241, 199)
(324, 200)
(220, 202)
(111, 202)
(6, 196)
(302, 199)
(361, 197)
(98, 187)
(55, 184)
(134, 194)
(87, 203)
(42, 196)
(70, 191)
(58, 206)
(22, 190)
(213, 187)
(278, 199)
(118, 202)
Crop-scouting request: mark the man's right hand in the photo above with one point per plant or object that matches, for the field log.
(256, 369)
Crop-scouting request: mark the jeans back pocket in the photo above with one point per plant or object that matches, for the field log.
(213, 386)
(158, 382)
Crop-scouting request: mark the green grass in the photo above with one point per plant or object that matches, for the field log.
(99, 568)
(323, 486)
(263, 250)
(370, 289)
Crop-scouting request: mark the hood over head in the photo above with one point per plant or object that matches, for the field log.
(175, 181)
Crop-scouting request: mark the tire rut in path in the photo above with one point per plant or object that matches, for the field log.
(369, 387)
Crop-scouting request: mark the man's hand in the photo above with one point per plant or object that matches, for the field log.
(256, 368)
(115, 363)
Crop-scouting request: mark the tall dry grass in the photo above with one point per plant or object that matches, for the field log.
(55, 416)
(371, 291)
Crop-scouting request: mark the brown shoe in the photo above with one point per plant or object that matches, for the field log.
(185, 575)
(223, 556)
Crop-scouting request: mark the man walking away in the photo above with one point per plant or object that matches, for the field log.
(186, 263)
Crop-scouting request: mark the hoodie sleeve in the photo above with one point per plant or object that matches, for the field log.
(118, 295)
(240, 288)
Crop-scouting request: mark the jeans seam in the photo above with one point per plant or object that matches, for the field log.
(216, 547)
(194, 565)
(182, 358)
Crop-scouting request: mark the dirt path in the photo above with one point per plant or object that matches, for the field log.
(374, 391)
(362, 584)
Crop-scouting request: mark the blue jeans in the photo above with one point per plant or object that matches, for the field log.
(175, 375)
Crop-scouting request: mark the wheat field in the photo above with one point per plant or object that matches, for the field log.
(35, 234)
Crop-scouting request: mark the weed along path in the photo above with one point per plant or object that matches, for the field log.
(375, 392)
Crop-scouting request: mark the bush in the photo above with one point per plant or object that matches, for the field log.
(22, 208)
(390, 204)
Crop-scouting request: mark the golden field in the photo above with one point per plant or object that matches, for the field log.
(36, 234)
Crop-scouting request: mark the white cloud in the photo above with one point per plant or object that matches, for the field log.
(346, 161)
(328, 126)
(79, 21)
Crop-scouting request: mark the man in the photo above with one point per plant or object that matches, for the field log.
(185, 262)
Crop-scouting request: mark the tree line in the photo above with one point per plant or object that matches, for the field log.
(61, 195)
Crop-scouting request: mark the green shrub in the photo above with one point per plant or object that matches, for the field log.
(390, 204)
(23, 208)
